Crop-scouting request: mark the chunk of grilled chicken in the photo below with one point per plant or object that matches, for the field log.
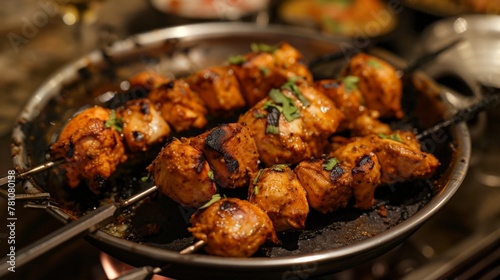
(143, 125)
(367, 124)
(232, 227)
(179, 105)
(348, 99)
(292, 140)
(380, 86)
(231, 152)
(402, 159)
(261, 71)
(359, 158)
(181, 172)
(360, 120)
(383, 159)
(147, 80)
(327, 183)
(218, 88)
(91, 147)
(279, 193)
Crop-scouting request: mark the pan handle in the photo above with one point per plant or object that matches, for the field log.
(88, 223)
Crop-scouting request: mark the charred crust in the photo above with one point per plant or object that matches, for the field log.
(71, 149)
(336, 173)
(169, 85)
(363, 165)
(228, 206)
(144, 108)
(200, 163)
(330, 85)
(273, 117)
(215, 140)
(138, 136)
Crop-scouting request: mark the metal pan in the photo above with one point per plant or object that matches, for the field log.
(330, 242)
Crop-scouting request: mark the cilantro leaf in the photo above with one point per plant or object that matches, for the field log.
(236, 60)
(290, 111)
(216, 197)
(351, 83)
(114, 122)
(291, 86)
(260, 47)
(373, 63)
(394, 137)
(329, 164)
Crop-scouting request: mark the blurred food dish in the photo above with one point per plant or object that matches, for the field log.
(446, 8)
(349, 18)
(210, 9)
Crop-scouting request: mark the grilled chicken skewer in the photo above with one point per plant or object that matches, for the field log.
(95, 137)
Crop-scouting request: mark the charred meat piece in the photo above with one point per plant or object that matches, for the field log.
(218, 88)
(367, 124)
(91, 146)
(402, 160)
(148, 80)
(279, 140)
(327, 183)
(288, 130)
(266, 68)
(232, 227)
(358, 157)
(321, 116)
(279, 193)
(377, 80)
(347, 98)
(179, 105)
(231, 152)
(181, 172)
(143, 125)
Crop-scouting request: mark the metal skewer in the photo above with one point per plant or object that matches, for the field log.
(88, 223)
(36, 169)
(465, 114)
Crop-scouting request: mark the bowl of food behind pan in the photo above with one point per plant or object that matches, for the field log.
(329, 243)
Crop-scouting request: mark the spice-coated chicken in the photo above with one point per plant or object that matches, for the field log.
(147, 80)
(91, 146)
(182, 173)
(179, 105)
(232, 227)
(401, 158)
(278, 192)
(267, 67)
(143, 125)
(381, 159)
(231, 152)
(327, 183)
(360, 120)
(358, 157)
(292, 124)
(218, 88)
(377, 80)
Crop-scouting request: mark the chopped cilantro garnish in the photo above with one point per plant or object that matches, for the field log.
(329, 164)
(279, 167)
(259, 47)
(210, 174)
(290, 111)
(291, 86)
(146, 178)
(351, 83)
(259, 115)
(236, 60)
(256, 179)
(373, 63)
(114, 122)
(216, 197)
(265, 71)
(255, 190)
(394, 137)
